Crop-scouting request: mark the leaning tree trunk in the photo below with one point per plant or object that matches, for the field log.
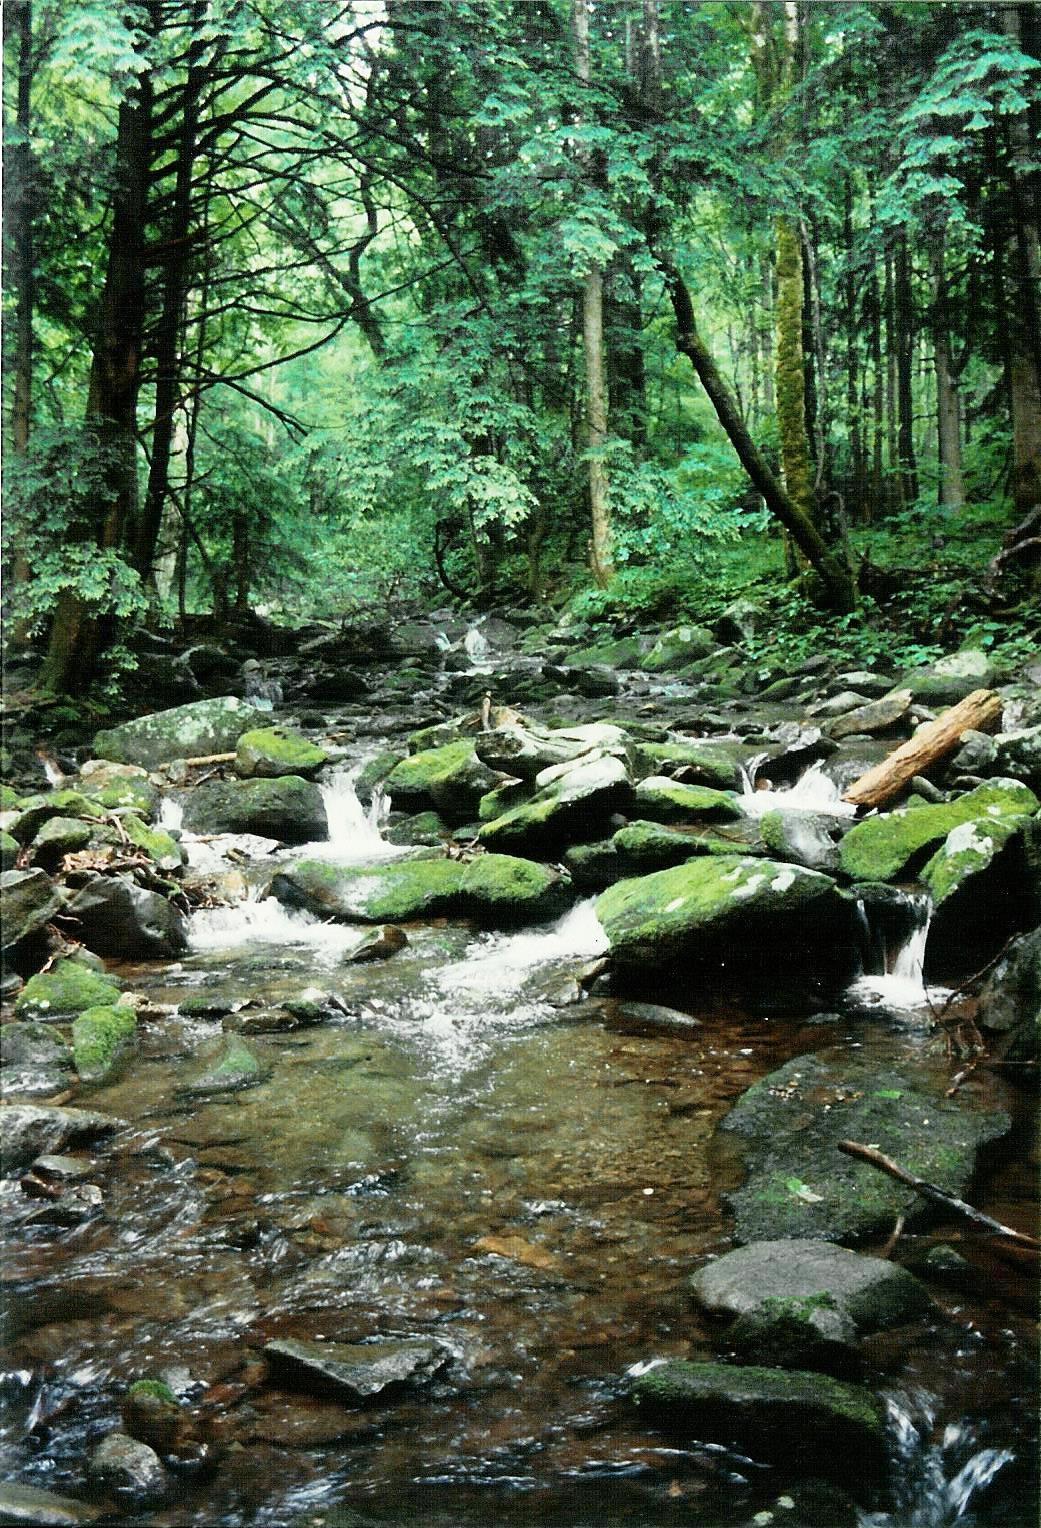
(115, 381)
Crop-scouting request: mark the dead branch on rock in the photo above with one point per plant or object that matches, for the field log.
(875, 1158)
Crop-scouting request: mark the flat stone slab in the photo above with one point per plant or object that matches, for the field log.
(43, 1509)
(786, 1129)
(357, 1372)
(28, 1131)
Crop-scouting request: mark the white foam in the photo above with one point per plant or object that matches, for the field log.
(812, 792)
(268, 922)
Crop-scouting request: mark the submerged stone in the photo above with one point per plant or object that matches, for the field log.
(228, 1066)
(127, 1467)
(809, 1423)
(786, 1129)
(357, 1372)
(36, 1060)
(28, 1131)
(184, 732)
(43, 1509)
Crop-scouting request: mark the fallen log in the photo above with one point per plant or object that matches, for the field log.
(875, 1158)
(209, 758)
(978, 712)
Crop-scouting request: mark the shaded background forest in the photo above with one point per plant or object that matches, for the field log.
(641, 306)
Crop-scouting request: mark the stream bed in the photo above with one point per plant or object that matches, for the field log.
(472, 1149)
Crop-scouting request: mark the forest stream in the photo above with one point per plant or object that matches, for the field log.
(472, 1149)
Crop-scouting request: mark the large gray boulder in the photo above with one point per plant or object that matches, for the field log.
(805, 1304)
(184, 732)
(29, 899)
(287, 808)
(130, 1469)
(121, 919)
(1010, 1003)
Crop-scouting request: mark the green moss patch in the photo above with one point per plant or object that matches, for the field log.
(66, 989)
(880, 848)
(101, 1040)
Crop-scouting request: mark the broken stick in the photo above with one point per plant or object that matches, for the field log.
(886, 1164)
(978, 712)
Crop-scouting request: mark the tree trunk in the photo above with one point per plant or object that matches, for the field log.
(115, 381)
(839, 589)
(790, 376)
(600, 549)
(18, 261)
(951, 489)
(857, 490)
(878, 410)
(903, 315)
(892, 449)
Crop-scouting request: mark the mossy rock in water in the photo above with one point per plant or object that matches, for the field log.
(678, 647)
(663, 800)
(228, 1066)
(711, 763)
(118, 791)
(969, 849)
(806, 1422)
(289, 808)
(28, 900)
(786, 1130)
(374, 772)
(497, 888)
(647, 846)
(623, 653)
(9, 798)
(574, 802)
(451, 779)
(985, 882)
(951, 678)
(34, 811)
(424, 830)
(503, 799)
(10, 849)
(101, 1041)
(183, 732)
(163, 850)
(68, 988)
(882, 848)
(271, 751)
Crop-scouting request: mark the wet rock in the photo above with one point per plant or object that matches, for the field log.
(152, 1415)
(623, 653)
(660, 799)
(272, 751)
(57, 837)
(526, 751)
(115, 786)
(29, 899)
(61, 1170)
(185, 732)
(1010, 1003)
(783, 929)
(10, 849)
(28, 1131)
(985, 881)
(36, 1061)
(102, 1039)
(376, 944)
(497, 888)
(801, 837)
(43, 1509)
(807, 1422)
(289, 809)
(710, 763)
(882, 848)
(575, 800)
(358, 1372)
(127, 1468)
(374, 772)
(876, 716)
(950, 679)
(1019, 755)
(35, 811)
(805, 1304)
(977, 755)
(451, 779)
(786, 1128)
(867, 681)
(73, 1206)
(837, 705)
(228, 1066)
(649, 1018)
(424, 830)
(119, 918)
(65, 990)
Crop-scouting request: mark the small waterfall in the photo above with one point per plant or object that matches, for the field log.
(937, 1476)
(814, 791)
(901, 982)
(475, 645)
(505, 961)
(171, 814)
(268, 922)
(355, 831)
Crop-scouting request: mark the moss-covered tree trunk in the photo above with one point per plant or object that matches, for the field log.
(790, 379)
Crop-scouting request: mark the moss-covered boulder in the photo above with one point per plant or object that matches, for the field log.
(951, 678)
(779, 929)
(499, 889)
(34, 811)
(985, 881)
(272, 751)
(67, 989)
(660, 799)
(423, 830)
(163, 850)
(807, 1422)
(622, 653)
(28, 900)
(57, 837)
(883, 848)
(102, 1039)
(451, 779)
(711, 763)
(525, 751)
(574, 802)
(115, 786)
(287, 808)
(374, 772)
(802, 837)
(676, 648)
(786, 1128)
(183, 732)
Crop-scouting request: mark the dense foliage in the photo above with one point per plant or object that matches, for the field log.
(309, 303)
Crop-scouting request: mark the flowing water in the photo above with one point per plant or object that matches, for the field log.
(469, 1148)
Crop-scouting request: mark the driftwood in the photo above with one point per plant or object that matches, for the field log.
(978, 712)
(939, 1196)
(209, 758)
